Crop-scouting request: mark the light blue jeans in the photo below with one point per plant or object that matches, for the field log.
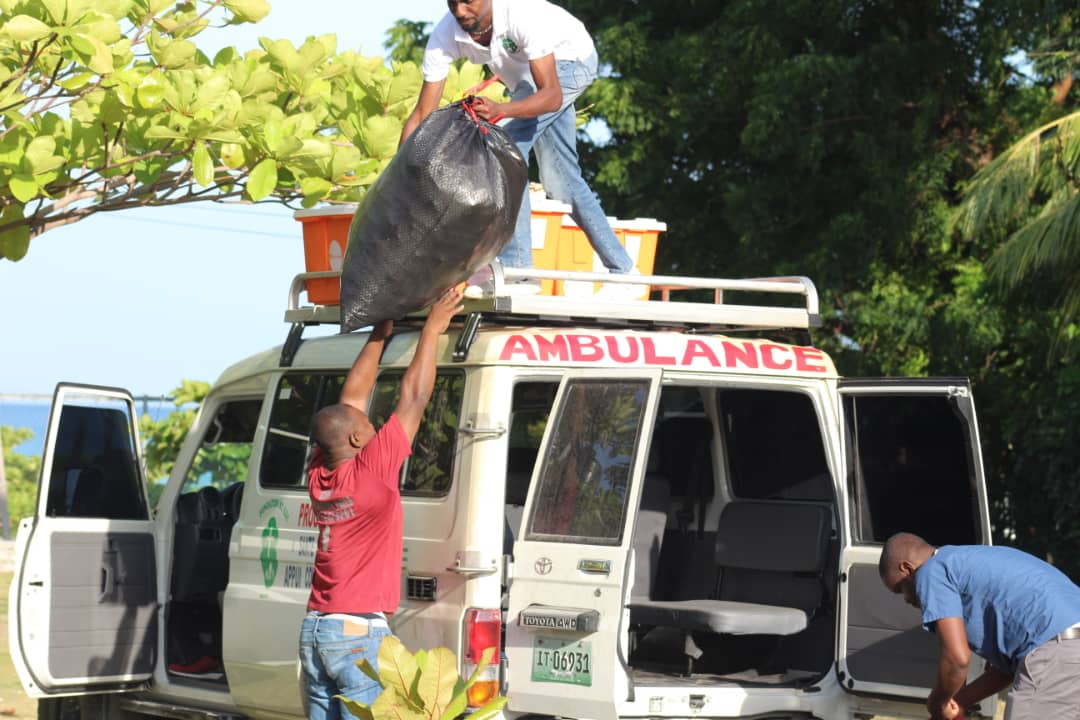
(553, 138)
(328, 663)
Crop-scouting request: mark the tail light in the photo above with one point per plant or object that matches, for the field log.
(482, 630)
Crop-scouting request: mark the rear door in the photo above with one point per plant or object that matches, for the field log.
(84, 600)
(566, 629)
(912, 463)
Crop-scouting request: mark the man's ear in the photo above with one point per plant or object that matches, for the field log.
(356, 439)
(907, 568)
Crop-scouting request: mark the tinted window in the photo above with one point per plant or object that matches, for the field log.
(911, 468)
(429, 471)
(94, 470)
(582, 488)
(774, 446)
(298, 398)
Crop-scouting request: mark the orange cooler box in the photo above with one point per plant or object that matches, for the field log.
(326, 235)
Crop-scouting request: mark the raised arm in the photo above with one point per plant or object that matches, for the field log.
(428, 102)
(419, 379)
(361, 378)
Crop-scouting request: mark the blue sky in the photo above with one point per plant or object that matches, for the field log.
(145, 298)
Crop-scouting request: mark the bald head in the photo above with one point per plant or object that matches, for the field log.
(904, 553)
(341, 431)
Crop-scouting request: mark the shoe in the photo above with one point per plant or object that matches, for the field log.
(201, 666)
(623, 291)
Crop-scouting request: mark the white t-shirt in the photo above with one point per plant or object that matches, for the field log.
(522, 30)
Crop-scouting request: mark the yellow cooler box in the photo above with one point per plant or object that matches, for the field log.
(638, 236)
(547, 220)
(557, 244)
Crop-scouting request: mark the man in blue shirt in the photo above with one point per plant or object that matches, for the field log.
(1015, 611)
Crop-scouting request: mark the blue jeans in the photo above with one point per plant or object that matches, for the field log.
(329, 650)
(553, 138)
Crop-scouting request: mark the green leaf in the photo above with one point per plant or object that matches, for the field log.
(358, 710)
(485, 660)
(397, 666)
(96, 53)
(436, 686)
(39, 151)
(15, 241)
(151, 91)
(456, 707)
(315, 187)
(57, 9)
(261, 182)
(161, 132)
(490, 710)
(380, 136)
(202, 165)
(232, 155)
(23, 28)
(249, 11)
(23, 187)
(365, 667)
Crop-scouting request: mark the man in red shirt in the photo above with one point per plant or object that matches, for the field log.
(353, 484)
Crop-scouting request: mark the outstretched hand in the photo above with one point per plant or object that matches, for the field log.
(444, 309)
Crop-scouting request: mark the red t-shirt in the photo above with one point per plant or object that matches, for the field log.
(358, 511)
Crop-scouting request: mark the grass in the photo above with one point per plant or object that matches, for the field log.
(13, 701)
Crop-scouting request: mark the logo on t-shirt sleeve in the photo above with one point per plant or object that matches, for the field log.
(509, 45)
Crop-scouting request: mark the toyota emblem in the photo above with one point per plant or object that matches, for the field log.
(542, 566)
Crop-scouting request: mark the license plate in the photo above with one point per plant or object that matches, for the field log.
(562, 661)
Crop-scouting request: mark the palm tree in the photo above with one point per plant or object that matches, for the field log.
(1035, 186)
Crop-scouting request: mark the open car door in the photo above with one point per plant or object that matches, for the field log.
(913, 463)
(84, 599)
(566, 633)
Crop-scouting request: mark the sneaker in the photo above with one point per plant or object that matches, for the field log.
(622, 291)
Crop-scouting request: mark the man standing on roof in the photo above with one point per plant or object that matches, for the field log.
(546, 58)
(353, 484)
(1020, 614)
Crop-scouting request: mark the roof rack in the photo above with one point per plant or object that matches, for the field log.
(504, 305)
(718, 312)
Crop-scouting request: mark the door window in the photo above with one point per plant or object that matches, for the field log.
(774, 446)
(429, 471)
(582, 492)
(911, 468)
(223, 455)
(94, 471)
(299, 396)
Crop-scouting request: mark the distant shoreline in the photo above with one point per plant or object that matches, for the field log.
(31, 412)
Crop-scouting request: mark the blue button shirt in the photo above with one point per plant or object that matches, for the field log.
(1010, 602)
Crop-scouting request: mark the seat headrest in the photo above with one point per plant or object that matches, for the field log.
(776, 536)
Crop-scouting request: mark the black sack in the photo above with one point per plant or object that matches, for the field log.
(446, 205)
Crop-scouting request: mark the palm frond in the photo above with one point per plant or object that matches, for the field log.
(1001, 193)
(1049, 245)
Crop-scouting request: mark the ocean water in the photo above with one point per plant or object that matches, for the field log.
(34, 416)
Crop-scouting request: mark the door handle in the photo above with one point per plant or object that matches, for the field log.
(472, 571)
(108, 583)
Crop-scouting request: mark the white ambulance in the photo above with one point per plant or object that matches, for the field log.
(653, 508)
